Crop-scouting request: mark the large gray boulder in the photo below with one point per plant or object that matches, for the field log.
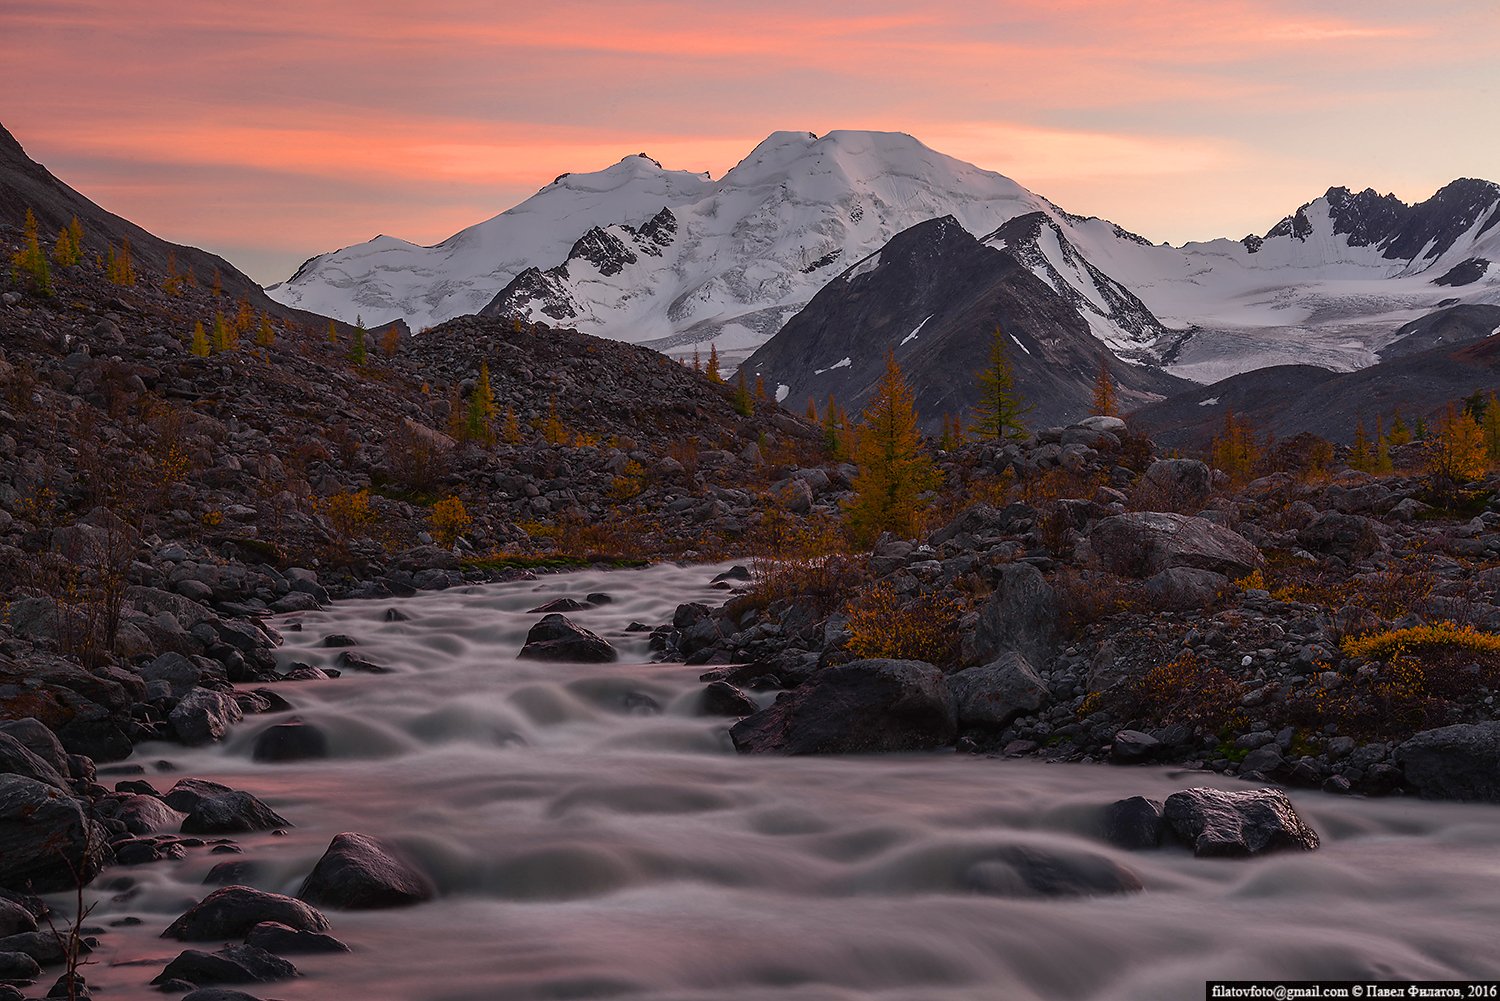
(204, 716)
(230, 912)
(234, 964)
(996, 693)
(1184, 589)
(1454, 762)
(1217, 823)
(1349, 537)
(47, 843)
(39, 740)
(863, 706)
(1020, 615)
(17, 759)
(557, 637)
(1183, 484)
(1144, 543)
(358, 872)
(234, 812)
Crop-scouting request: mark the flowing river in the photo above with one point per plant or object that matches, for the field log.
(592, 836)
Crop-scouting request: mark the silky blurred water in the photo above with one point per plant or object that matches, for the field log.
(593, 837)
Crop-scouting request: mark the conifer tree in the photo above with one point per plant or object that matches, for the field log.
(893, 468)
(173, 282)
(812, 410)
(218, 287)
(833, 424)
(68, 250)
(391, 341)
(1458, 452)
(697, 360)
(742, 404)
(357, 354)
(998, 413)
(945, 440)
(457, 414)
(265, 334)
(1419, 429)
(760, 387)
(712, 371)
(1400, 433)
(1491, 428)
(120, 270)
(478, 420)
(1234, 450)
(511, 431)
(1382, 460)
(1360, 456)
(333, 333)
(554, 432)
(1105, 403)
(30, 260)
(199, 347)
(224, 337)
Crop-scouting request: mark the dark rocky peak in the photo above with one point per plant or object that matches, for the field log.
(1433, 226)
(940, 239)
(1366, 218)
(660, 229)
(1252, 242)
(604, 250)
(649, 159)
(1297, 226)
(533, 286)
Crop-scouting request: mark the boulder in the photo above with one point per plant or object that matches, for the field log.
(997, 692)
(358, 872)
(1144, 543)
(1131, 747)
(1349, 537)
(1218, 823)
(17, 759)
(1454, 762)
(232, 813)
(15, 919)
(45, 838)
(293, 740)
(39, 740)
(204, 716)
(275, 937)
(1182, 484)
(720, 698)
(234, 964)
(232, 911)
(1184, 589)
(556, 637)
(18, 966)
(1020, 615)
(218, 994)
(187, 793)
(863, 706)
(1135, 823)
(559, 605)
(179, 674)
(1024, 871)
(42, 946)
(147, 815)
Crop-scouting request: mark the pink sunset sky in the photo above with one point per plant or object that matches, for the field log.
(276, 130)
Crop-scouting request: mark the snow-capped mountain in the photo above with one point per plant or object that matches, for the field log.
(934, 295)
(672, 259)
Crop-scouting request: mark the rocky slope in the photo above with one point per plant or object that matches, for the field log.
(934, 296)
(1290, 399)
(1333, 629)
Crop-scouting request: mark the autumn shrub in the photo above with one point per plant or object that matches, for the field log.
(925, 628)
(629, 482)
(1088, 596)
(796, 559)
(1420, 639)
(1183, 690)
(348, 513)
(416, 456)
(449, 521)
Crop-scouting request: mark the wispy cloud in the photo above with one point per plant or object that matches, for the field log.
(289, 128)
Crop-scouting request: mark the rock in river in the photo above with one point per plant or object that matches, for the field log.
(863, 706)
(1221, 823)
(556, 637)
(358, 872)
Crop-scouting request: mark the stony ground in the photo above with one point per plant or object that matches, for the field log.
(1076, 595)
